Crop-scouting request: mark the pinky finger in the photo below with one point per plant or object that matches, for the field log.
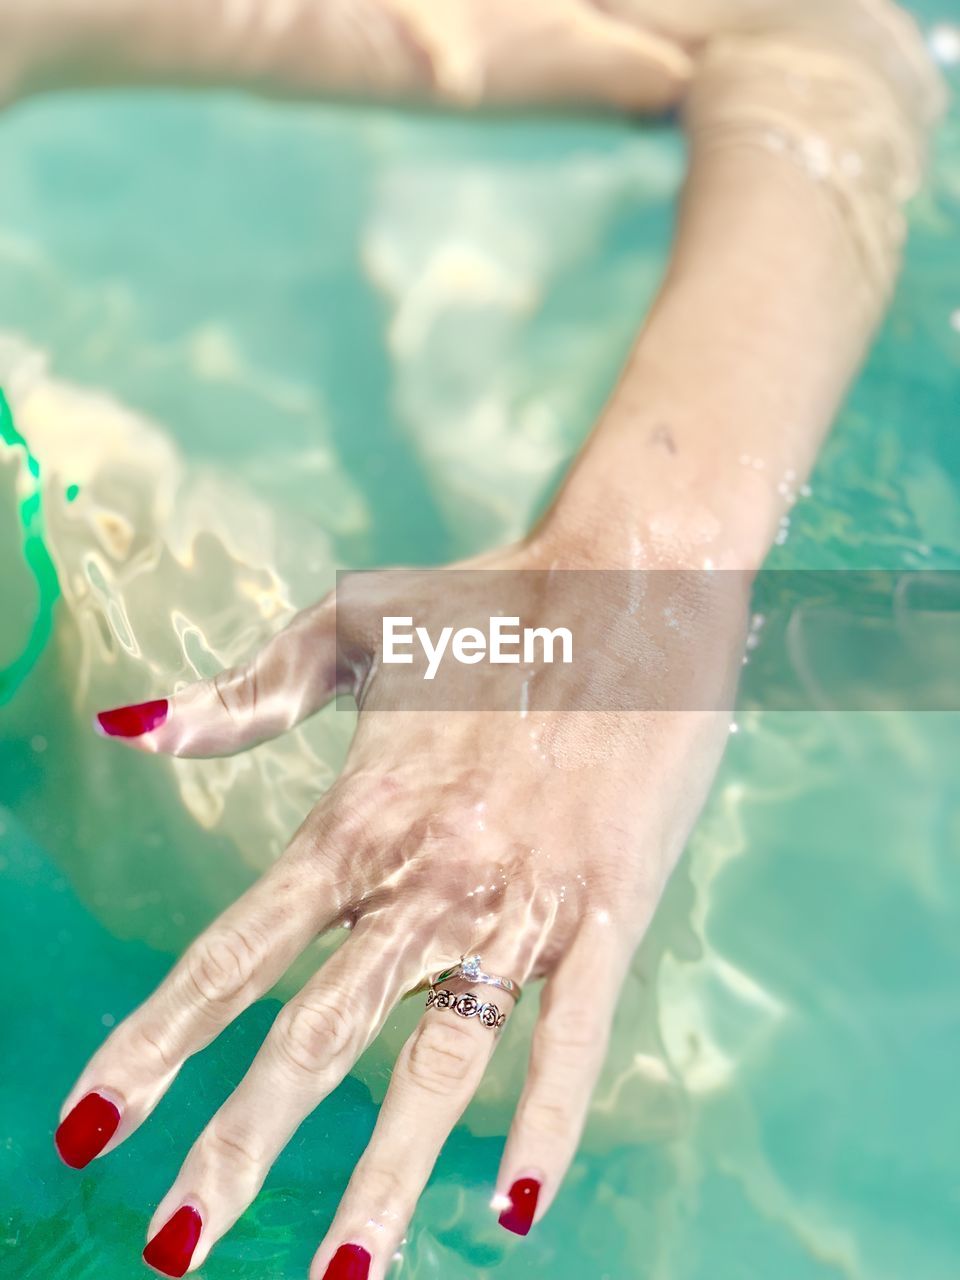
(568, 1049)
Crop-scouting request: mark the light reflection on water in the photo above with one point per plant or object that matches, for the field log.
(383, 350)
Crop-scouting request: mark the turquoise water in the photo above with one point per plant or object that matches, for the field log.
(245, 344)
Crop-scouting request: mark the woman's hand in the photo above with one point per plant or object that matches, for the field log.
(539, 838)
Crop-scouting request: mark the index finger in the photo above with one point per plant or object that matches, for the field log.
(231, 964)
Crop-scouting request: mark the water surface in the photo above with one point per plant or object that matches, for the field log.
(246, 344)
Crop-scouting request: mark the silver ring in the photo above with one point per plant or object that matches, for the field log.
(470, 969)
(466, 1006)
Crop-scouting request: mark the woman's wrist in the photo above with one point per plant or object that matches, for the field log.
(648, 494)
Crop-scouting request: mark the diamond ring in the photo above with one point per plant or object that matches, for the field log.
(470, 969)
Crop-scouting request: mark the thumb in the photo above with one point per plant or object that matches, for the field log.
(291, 677)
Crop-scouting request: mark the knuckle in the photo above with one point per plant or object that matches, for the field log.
(236, 691)
(147, 1047)
(234, 1147)
(455, 824)
(360, 811)
(218, 967)
(312, 1034)
(567, 1034)
(384, 1187)
(442, 1056)
(547, 1113)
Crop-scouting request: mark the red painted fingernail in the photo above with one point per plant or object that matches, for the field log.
(518, 1215)
(86, 1130)
(131, 722)
(171, 1249)
(350, 1262)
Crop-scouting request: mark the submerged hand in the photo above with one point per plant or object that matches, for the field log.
(539, 838)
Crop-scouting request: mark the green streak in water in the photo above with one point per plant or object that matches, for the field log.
(36, 555)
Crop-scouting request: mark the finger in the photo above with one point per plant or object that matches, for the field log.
(436, 1075)
(568, 1049)
(313, 1043)
(292, 676)
(233, 962)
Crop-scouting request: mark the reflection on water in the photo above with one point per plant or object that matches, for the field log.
(382, 351)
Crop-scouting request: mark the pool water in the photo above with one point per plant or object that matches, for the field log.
(243, 344)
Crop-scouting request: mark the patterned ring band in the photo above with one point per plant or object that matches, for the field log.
(466, 1006)
(470, 969)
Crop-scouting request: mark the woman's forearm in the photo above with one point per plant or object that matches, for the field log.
(807, 133)
(461, 53)
(804, 145)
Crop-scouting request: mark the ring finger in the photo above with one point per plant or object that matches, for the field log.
(435, 1076)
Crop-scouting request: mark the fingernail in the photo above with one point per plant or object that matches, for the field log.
(171, 1249)
(131, 722)
(350, 1262)
(86, 1130)
(518, 1215)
